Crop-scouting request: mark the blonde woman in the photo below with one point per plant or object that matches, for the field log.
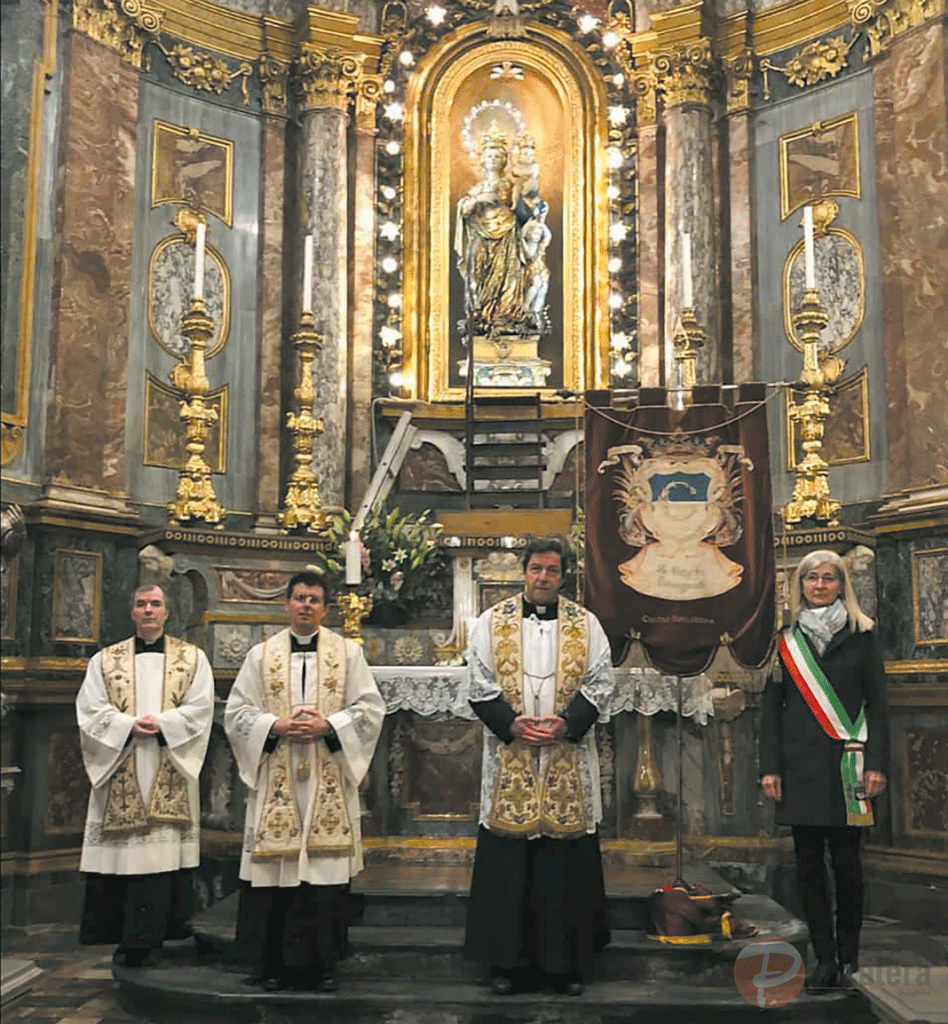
(824, 745)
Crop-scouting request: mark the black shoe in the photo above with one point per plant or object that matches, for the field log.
(822, 978)
(501, 984)
(567, 984)
(137, 958)
(847, 974)
(268, 982)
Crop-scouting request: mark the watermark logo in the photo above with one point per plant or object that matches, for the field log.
(769, 973)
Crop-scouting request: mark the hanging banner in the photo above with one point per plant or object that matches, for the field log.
(679, 533)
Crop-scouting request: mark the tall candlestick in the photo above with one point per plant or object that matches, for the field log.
(688, 301)
(199, 261)
(308, 274)
(809, 261)
(353, 559)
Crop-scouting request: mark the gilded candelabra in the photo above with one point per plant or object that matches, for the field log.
(302, 507)
(354, 608)
(811, 491)
(689, 338)
(195, 498)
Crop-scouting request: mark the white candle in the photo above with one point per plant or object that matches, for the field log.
(809, 261)
(199, 260)
(308, 274)
(689, 301)
(353, 558)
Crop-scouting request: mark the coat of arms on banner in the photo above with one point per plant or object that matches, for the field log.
(679, 528)
(679, 503)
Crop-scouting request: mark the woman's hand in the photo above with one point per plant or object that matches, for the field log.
(773, 786)
(873, 783)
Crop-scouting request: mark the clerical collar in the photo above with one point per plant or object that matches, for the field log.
(539, 611)
(156, 646)
(303, 644)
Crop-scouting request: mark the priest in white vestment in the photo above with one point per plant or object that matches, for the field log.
(144, 710)
(303, 719)
(541, 676)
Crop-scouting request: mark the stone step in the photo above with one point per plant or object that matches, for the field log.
(187, 991)
(435, 951)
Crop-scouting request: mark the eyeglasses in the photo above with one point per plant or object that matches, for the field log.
(815, 578)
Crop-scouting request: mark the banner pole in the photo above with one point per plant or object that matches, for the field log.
(678, 823)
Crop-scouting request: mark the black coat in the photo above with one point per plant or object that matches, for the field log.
(794, 745)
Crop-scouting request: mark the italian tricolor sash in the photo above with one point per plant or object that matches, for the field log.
(826, 706)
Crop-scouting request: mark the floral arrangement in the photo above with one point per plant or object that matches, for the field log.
(403, 569)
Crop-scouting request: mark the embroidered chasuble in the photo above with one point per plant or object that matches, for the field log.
(302, 821)
(538, 667)
(144, 812)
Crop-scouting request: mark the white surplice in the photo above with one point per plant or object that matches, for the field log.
(104, 731)
(247, 723)
(539, 643)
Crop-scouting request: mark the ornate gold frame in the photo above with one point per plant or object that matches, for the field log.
(788, 312)
(215, 399)
(428, 217)
(96, 557)
(211, 254)
(916, 558)
(858, 380)
(787, 203)
(227, 213)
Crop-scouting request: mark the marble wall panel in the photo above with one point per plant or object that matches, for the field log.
(897, 595)
(650, 275)
(925, 781)
(774, 239)
(86, 440)
(912, 126)
(67, 785)
(238, 246)
(268, 496)
(324, 212)
(740, 204)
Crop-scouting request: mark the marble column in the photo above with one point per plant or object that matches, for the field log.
(363, 291)
(651, 333)
(85, 446)
(912, 131)
(324, 204)
(740, 202)
(272, 199)
(689, 201)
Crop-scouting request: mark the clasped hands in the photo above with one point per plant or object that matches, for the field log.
(147, 725)
(873, 783)
(538, 731)
(302, 725)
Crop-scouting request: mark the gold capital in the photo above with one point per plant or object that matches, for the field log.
(125, 26)
(685, 74)
(327, 78)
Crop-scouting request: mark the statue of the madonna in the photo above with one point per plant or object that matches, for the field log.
(500, 240)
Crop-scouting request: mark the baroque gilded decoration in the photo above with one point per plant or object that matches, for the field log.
(884, 20)
(327, 77)
(126, 26)
(189, 166)
(819, 160)
(686, 74)
(203, 71)
(817, 61)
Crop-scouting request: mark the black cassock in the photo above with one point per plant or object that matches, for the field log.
(536, 903)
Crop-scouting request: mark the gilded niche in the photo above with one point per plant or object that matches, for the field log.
(506, 217)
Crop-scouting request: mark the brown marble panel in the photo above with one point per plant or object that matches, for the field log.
(650, 247)
(740, 169)
(270, 418)
(912, 146)
(925, 781)
(67, 785)
(89, 337)
(442, 769)
(360, 334)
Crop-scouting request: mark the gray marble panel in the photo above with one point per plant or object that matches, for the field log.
(778, 360)
(236, 363)
(324, 213)
(689, 207)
